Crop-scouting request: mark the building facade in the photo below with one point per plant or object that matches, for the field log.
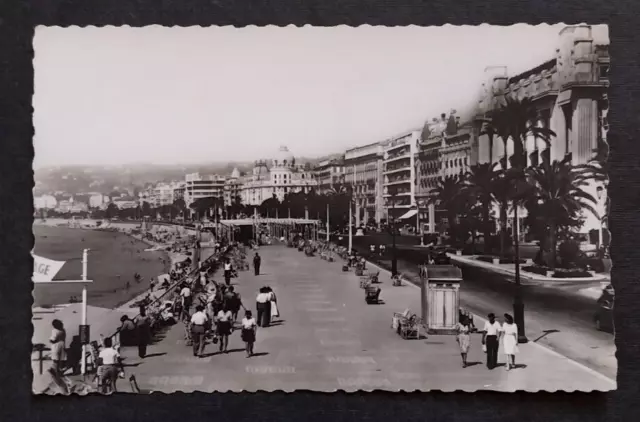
(278, 177)
(399, 175)
(232, 188)
(45, 202)
(363, 171)
(569, 92)
(198, 186)
(328, 173)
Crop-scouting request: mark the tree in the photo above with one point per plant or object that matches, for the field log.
(480, 184)
(339, 198)
(146, 209)
(180, 206)
(202, 206)
(269, 206)
(515, 120)
(559, 197)
(448, 195)
(112, 211)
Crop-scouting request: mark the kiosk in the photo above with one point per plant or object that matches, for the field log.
(440, 296)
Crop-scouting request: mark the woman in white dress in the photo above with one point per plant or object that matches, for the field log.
(275, 312)
(510, 340)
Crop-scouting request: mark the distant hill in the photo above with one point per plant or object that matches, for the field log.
(126, 178)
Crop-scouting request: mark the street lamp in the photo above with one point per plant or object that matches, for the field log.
(600, 194)
(394, 256)
(518, 303)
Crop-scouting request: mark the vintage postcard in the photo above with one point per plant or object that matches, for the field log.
(357, 209)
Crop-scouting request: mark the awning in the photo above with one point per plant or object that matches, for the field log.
(408, 214)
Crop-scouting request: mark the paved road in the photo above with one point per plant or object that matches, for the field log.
(330, 339)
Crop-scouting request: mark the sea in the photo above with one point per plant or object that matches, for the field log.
(114, 258)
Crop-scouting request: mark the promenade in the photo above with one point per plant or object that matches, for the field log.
(329, 339)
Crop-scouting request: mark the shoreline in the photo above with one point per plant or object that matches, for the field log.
(166, 256)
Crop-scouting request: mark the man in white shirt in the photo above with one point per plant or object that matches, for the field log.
(490, 335)
(185, 294)
(262, 302)
(199, 322)
(111, 365)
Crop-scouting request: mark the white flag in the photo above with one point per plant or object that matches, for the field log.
(45, 269)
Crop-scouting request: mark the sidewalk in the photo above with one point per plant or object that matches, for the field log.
(329, 339)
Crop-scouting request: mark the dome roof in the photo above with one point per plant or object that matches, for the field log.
(235, 173)
(283, 156)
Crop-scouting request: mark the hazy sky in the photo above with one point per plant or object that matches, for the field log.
(187, 95)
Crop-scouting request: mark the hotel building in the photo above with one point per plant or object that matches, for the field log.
(328, 173)
(363, 171)
(399, 175)
(282, 176)
(232, 188)
(198, 187)
(570, 93)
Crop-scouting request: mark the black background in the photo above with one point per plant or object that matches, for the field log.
(17, 20)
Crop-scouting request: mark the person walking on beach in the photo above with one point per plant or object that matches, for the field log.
(249, 328)
(143, 327)
(510, 340)
(490, 340)
(257, 260)
(463, 339)
(198, 329)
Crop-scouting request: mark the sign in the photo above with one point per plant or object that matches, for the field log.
(83, 331)
(45, 269)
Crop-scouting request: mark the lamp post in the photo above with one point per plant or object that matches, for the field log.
(600, 194)
(328, 223)
(350, 230)
(394, 256)
(518, 303)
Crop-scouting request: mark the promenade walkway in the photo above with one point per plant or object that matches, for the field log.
(330, 339)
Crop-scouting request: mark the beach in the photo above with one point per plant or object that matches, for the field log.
(114, 258)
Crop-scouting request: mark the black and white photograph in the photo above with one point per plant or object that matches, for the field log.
(321, 208)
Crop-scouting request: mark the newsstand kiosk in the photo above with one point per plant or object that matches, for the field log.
(440, 296)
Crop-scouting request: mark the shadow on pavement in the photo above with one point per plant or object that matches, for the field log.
(545, 333)
(153, 355)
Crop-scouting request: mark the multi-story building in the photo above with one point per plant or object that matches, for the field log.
(178, 190)
(570, 94)
(328, 173)
(363, 170)
(45, 202)
(198, 187)
(232, 188)
(97, 200)
(162, 194)
(399, 175)
(283, 176)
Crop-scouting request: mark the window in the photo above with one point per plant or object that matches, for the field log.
(603, 71)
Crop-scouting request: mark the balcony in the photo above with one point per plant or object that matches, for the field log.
(397, 170)
(398, 194)
(396, 157)
(397, 181)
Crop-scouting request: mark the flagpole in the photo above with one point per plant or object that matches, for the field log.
(85, 258)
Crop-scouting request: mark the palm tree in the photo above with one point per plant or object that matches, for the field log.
(447, 195)
(480, 184)
(559, 193)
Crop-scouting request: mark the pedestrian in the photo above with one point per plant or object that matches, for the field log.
(187, 300)
(510, 340)
(111, 366)
(198, 329)
(490, 340)
(249, 328)
(227, 272)
(257, 260)
(127, 331)
(275, 313)
(143, 327)
(58, 353)
(223, 320)
(234, 302)
(261, 307)
(463, 339)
